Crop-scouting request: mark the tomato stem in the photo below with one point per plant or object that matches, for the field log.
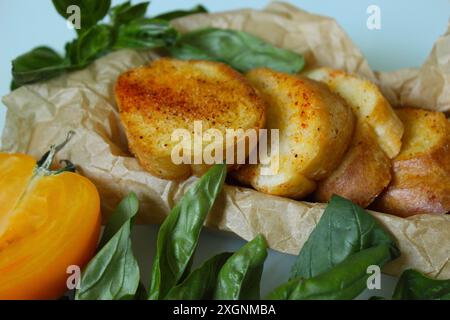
(44, 164)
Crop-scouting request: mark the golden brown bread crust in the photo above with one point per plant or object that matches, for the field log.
(315, 129)
(368, 104)
(365, 170)
(421, 172)
(362, 175)
(170, 94)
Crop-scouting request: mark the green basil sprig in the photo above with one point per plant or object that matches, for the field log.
(240, 276)
(239, 49)
(345, 280)
(113, 274)
(333, 262)
(178, 235)
(344, 229)
(129, 28)
(413, 285)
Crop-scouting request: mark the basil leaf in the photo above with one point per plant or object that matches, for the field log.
(413, 285)
(89, 46)
(113, 273)
(125, 12)
(178, 235)
(181, 13)
(239, 49)
(41, 63)
(199, 284)
(346, 280)
(240, 276)
(145, 33)
(333, 262)
(126, 210)
(343, 230)
(91, 11)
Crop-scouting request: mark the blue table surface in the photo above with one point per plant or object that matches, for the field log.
(408, 31)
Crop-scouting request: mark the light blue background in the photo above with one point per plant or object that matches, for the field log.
(408, 30)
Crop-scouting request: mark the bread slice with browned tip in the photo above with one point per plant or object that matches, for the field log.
(368, 104)
(363, 174)
(366, 168)
(315, 128)
(421, 171)
(168, 94)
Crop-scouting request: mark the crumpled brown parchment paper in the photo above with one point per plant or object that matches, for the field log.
(41, 114)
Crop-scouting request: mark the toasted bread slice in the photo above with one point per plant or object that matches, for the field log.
(421, 172)
(170, 94)
(315, 129)
(368, 103)
(362, 175)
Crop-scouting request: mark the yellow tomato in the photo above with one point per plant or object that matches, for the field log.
(49, 220)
